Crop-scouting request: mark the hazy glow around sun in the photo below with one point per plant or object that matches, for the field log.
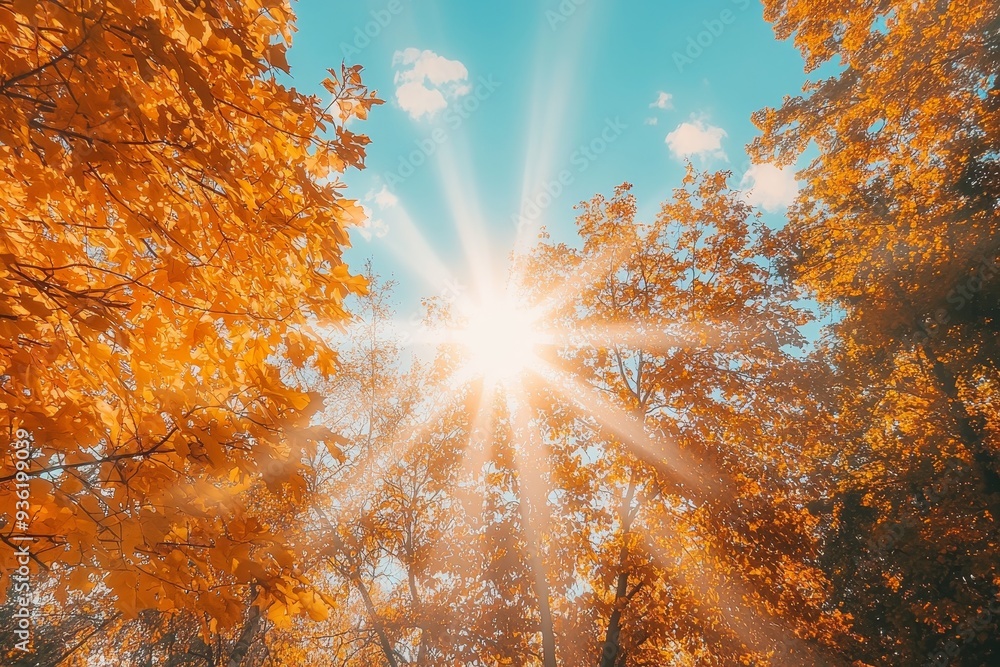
(499, 337)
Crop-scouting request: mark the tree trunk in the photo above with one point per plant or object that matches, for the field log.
(612, 645)
(242, 645)
(417, 609)
(351, 573)
(544, 609)
(541, 584)
(609, 654)
(383, 638)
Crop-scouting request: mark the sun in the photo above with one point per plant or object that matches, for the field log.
(500, 339)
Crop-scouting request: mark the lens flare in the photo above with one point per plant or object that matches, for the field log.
(500, 339)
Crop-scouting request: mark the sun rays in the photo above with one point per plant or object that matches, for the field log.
(512, 348)
(500, 340)
(511, 352)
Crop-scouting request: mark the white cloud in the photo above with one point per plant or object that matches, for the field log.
(383, 198)
(426, 81)
(372, 227)
(417, 99)
(770, 187)
(652, 121)
(696, 138)
(663, 101)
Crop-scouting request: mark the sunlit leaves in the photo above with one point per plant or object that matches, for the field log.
(896, 232)
(171, 231)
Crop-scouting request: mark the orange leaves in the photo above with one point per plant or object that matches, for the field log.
(124, 583)
(276, 56)
(335, 445)
(79, 579)
(688, 401)
(317, 608)
(24, 8)
(157, 182)
(352, 100)
(896, 214)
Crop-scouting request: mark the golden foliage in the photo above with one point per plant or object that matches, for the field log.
(171, 226)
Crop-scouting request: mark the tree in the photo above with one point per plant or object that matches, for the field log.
(898, 218)
(170, 250)
(531, 521)
(895, 230)
(61, 630)
(678, 421)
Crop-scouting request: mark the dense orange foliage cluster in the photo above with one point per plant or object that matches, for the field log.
(154, 172)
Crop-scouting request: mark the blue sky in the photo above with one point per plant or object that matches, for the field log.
(508, 99)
